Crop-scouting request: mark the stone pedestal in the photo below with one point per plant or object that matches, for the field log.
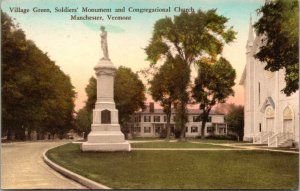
(105, 132)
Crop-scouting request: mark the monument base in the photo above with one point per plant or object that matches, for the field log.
(106, 147)
(106, 138)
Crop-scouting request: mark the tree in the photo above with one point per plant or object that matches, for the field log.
(213, 85)
(91, 92)
(192, 37)
(279, 28)
(36, 94)
(83, 121)
(166, 86)
(235, 120)
(129, 96)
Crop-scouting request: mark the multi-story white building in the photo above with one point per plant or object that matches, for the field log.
(271, 117)
(151, 122)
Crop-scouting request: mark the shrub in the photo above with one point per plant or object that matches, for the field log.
(222, 137)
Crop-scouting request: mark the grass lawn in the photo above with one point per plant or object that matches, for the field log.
(174, 145)
(182, 169)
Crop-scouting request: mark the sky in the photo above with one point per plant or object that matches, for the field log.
(74, 45)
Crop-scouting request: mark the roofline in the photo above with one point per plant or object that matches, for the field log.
(243, 77)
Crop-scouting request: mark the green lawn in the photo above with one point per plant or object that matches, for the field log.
(165, 144)
(182, 169)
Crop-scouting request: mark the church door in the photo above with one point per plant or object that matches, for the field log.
(270, 124)
(288, 120)
(269, 113)
(288, 126)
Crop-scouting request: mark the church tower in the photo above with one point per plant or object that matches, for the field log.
(249, 86)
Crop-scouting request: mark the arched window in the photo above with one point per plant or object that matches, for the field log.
(269, 112)
(105, 117)
(287, 113)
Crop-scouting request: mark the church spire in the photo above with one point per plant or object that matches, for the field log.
(250, 34)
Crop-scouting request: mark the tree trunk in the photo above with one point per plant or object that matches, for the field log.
(29, 134)
(183, 127)
(203, 129)
(204, 120)
(10, 134)
(168, 126)
(182, 133)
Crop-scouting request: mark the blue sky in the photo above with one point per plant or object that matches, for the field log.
(75, 45)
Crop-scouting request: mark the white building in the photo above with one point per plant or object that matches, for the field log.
(152, 122)
(271, 117)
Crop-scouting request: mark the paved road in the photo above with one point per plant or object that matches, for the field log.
(22, 166)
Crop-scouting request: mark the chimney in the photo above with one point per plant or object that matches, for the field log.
(151, 107)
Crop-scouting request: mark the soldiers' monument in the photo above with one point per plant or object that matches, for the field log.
(105, 132)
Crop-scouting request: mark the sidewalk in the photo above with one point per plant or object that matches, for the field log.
(251, 147)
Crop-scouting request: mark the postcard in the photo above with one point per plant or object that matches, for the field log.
(150, 94)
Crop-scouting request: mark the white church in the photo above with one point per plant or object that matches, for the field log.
(271, 117)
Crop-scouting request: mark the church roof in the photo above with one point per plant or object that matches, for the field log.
(268, 101)
(250, 34)
(243, 77)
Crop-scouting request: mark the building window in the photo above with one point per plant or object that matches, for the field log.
(210, 130)
(173, 118)
(156, 119)
(259, 127)
(196, 118)
(186, 129)
(165, 118)
(147, 129)
(137, 119)
(147, 118)
(221, 130)
(194, 129)
(209, 119)
(137, 129)
(224, 130)
(105, 117)
(157, 129)
(200, 117)
(258, 93)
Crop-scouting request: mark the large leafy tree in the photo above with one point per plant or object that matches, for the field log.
(192, 37)
(235, 120)
(129, 96)
(279, 27)
(91, 93)
(36, 94)
(213, 85)
(83, 121)
(166, 86)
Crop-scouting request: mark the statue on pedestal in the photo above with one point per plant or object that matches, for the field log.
(105, 135)
(104, 47)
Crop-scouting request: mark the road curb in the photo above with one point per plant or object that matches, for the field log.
(76, 177)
